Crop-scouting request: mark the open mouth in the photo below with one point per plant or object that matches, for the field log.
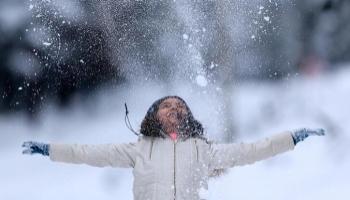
(174, 115)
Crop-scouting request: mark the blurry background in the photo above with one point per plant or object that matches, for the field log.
(247, 70)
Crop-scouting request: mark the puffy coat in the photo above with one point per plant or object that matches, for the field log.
(164, 169)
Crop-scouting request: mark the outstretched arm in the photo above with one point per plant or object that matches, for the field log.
(230, 155)
(115, 155)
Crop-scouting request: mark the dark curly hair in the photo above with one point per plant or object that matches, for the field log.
(152, 127)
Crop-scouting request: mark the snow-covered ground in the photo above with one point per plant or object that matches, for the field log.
(318, 168)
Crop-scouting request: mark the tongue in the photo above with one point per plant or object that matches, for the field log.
(173, 135)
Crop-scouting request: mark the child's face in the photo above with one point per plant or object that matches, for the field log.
(170, 113)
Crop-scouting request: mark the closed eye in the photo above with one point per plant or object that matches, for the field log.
(165, 105)
(180, 105)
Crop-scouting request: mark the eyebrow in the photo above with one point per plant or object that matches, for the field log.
(165, 103)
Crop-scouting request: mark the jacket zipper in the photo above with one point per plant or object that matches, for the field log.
(195, 142)
(174, 170)
(150, 152)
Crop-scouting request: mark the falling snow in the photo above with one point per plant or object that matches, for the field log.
(201, 81)
(47, 43)
(267, 18)
(185, 36)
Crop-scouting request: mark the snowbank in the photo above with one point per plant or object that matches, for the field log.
(316, 169)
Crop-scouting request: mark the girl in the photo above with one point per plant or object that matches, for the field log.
(172, 159)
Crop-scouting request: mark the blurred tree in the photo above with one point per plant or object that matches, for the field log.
(51, 56)
(57, 48)
(323, 34)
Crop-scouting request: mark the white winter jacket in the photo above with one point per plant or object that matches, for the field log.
(166, 170)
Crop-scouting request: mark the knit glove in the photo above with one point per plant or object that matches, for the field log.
(300, 134)
(35, 147)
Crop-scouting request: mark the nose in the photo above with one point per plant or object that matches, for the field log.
(173, 107)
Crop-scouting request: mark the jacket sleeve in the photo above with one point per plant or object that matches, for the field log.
(224, 156)
(114, 155)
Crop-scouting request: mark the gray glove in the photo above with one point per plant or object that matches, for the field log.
(36, 147)
(300, 134)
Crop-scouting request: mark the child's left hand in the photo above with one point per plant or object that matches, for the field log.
(301, 134)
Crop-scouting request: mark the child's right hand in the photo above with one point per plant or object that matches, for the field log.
(31, 147)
